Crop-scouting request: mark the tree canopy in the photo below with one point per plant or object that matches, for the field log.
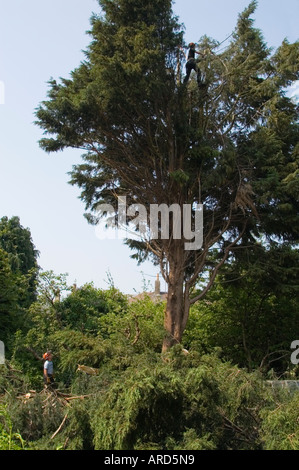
(231, 145)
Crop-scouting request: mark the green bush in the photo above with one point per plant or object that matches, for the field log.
(181, 400)
(280, 425)
(9, 440)
(140, 398)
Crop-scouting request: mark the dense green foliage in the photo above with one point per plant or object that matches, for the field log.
(18, 275)
(17, 242)
(140, 398)
(252, 311)
(233, 147)
(9, 440)
(8, 297)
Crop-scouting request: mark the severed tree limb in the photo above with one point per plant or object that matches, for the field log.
(80, 397)
(60, 427)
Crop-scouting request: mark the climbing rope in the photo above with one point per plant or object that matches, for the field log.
(216, 47)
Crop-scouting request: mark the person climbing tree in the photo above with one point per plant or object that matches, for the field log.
(48, 368)
(192, 64)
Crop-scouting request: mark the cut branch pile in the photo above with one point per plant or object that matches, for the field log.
(51, 394)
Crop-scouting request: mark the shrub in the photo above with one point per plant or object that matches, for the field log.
(169, 404)
(280, 426)
(9, 440)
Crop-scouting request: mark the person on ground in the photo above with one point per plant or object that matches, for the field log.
(48, 369)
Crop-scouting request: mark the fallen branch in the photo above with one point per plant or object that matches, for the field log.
(88, 370)
(60, 427)
(80, 397)
(63, 398)
(11, 369)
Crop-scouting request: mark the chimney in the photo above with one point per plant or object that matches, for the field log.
(157, 286)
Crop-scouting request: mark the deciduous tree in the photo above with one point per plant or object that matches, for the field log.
(17, 242)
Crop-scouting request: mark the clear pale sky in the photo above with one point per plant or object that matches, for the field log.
(39, 40)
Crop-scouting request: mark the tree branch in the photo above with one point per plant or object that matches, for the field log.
(216, 269)
(28, 348)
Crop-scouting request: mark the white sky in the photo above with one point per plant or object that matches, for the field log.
(39, 40)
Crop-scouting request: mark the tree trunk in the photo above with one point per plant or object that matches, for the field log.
(177, 306)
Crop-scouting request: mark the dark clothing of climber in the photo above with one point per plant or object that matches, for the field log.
(192, 64)
(192, 51)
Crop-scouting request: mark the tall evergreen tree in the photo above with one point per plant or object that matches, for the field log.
(231, 145)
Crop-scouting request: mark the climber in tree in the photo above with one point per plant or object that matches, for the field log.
(192, 64)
